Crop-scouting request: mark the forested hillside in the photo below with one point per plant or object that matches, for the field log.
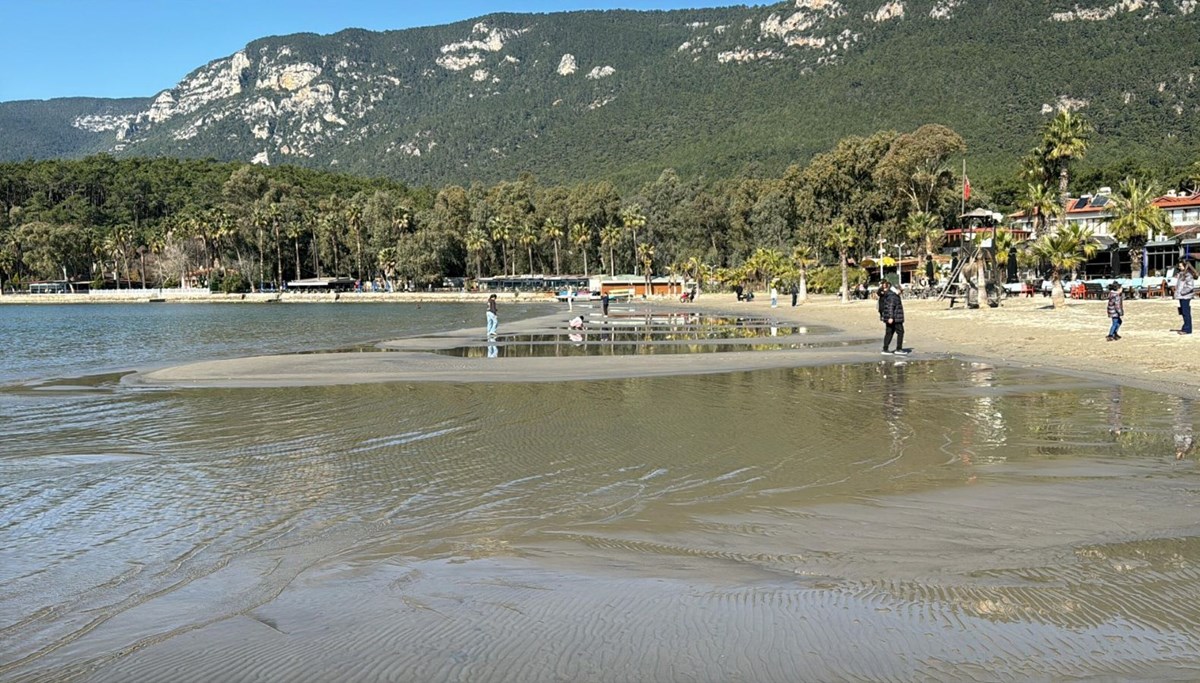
(619, 95)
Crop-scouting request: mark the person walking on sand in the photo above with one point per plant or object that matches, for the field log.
(1185, 287)
(795, 295)
(1116, 309)
(774, 296)
(891, 312)
(493, 321)
(604, 304)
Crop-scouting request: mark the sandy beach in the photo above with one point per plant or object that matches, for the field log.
(1028, 332)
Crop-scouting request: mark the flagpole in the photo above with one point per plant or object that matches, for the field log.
(963, 203)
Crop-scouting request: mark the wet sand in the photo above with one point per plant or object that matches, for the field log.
(1022, 332)
(980, 517)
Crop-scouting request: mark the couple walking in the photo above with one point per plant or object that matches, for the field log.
(891, 312)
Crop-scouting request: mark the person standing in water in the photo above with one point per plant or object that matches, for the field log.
(493, 321)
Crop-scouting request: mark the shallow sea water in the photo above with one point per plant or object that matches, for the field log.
(923, 520)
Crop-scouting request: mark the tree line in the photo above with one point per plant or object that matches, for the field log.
(236, 227)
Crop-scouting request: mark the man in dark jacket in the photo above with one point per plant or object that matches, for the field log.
(891, 312)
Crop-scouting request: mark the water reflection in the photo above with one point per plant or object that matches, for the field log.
(576, 344)
(834, 493)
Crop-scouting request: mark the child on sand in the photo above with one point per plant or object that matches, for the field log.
(1116, 309)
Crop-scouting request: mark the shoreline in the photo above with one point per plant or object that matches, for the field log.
(1022, 332)
(189, 296)
(1026, 332)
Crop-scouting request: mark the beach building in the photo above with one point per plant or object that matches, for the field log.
(635, 285)
(533, 283)
(1184, 212)
(1094, 212)
(321, 284)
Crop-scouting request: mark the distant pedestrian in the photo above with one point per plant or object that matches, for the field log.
(604, 304)
(795, 295)
(570, 298)
(493, 321)
(891, 312)
(774, 296)
(1116, 309)
(1185, 287)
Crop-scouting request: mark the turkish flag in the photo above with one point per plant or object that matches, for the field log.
(966, 187)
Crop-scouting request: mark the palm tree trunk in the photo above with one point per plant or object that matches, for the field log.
(845, 277)
(1058, 298)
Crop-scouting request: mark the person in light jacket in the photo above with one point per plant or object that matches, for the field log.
(1185, 287)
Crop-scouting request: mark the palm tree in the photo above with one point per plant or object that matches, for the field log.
(925, 230)
(1135, 218)
(765, 265)
(527, 236)
(1003, 246)
(260, 220)
(1065, 139)
(389, 258)
(1040, 204)
(609, 236)
(674, 268)
(695, 266)
(581, 236)
(1083, 236)
(275, 213)
(633, 219)
(502, 233)
(353, 216)
(646, 257)
(1064, 251)
(477, 243)
(554, 233)
(843, 238)
(802, 257)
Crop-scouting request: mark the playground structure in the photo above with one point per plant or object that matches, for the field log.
(976, 267)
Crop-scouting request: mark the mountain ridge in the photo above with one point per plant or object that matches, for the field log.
(622, 94)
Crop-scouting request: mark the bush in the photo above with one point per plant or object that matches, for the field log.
(229, 283)
(828, 279)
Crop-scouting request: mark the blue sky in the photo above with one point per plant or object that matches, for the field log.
(136, 48)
